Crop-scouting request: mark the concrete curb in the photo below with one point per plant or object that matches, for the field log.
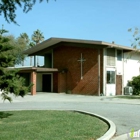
(112, 127)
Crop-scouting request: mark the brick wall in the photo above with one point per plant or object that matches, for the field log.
(33, 81)
(67, 58)
(55, 82)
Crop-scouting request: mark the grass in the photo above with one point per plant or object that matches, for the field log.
(50, 125)
(128, 97)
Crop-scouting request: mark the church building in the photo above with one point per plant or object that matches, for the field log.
(86, 67)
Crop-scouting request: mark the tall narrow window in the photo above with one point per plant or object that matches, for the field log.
(119, 55)
(111, 57)
(48, 60)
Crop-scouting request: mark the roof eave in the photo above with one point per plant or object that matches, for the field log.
(53, 41)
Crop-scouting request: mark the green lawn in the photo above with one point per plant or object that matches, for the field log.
(50, 125)
(128, 96)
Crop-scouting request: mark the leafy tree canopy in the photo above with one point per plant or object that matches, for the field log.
(135, 42)
(37, 37)
(8, 8)
(136, 37)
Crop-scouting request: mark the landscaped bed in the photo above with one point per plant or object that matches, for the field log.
(128, 96)
(50, 125)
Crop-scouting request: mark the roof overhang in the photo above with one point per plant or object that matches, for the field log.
(37, 69)
(50, 43)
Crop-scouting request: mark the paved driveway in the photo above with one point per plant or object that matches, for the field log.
(124, 113)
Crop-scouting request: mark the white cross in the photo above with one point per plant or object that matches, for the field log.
(81, 60)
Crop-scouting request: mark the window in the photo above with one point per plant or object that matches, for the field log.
(111, 57)
(119, 55)
(110, 77)
(48, 60)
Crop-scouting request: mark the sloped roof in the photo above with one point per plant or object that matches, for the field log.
(54, 41)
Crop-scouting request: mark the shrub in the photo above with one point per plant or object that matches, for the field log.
(135, 83)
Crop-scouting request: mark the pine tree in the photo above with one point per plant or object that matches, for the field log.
(10, 81)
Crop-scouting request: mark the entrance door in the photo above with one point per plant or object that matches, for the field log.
(110, 81)
(118, 84)
(46, 82)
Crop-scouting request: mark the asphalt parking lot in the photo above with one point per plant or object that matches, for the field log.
(123, 112)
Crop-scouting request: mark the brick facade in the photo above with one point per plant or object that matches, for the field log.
(33, 81)
(65, 58)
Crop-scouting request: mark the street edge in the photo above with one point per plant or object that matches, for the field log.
(112, 127)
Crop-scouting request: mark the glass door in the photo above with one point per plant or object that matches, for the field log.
(110, 81)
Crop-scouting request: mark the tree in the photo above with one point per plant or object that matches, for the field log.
(37, 38)
(19, 46)
(8, 8)
(32, 44)
(135, 83)
(26, 41)
(135, 43)
(2, 31)
(10, 82)
(136, 37)
(25, 37)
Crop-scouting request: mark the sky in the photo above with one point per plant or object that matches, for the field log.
(103, 20)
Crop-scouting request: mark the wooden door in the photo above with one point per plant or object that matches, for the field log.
(118, 84)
